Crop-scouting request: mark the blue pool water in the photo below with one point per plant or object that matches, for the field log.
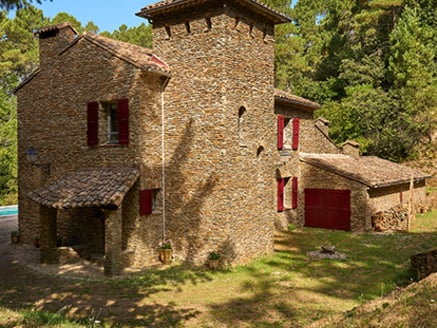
(8, 210)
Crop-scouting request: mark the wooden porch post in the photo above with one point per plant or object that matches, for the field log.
(113, 242)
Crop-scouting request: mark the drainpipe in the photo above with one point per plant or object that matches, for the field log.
(164, 85)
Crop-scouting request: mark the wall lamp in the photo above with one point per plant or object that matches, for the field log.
(32, 157)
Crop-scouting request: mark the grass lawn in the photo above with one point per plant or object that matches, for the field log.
(284, 289)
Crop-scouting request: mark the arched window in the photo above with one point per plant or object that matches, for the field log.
(241, 125)
(259, 151)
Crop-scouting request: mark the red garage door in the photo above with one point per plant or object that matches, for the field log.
(328, 208)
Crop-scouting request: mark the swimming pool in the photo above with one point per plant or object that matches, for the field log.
(8, 210)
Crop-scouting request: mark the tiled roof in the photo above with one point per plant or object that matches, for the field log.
(288, 98)
(164, 5)
(371, 171)
(87, 188)
(54, 28)
(141, 57)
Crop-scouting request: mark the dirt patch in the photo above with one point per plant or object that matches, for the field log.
(28, 258)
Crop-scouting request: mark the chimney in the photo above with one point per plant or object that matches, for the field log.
(352, 149)
(52, 39)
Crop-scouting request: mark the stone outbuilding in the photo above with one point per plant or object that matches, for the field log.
(121, 148)
(344, 191)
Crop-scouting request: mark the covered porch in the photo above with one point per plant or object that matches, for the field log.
(92, 201)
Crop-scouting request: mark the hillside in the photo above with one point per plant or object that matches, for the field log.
(413, 306)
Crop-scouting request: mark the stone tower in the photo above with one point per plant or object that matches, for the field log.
(220, 127)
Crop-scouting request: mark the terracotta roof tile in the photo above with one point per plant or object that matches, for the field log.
(54, 28)
(87, 188)
(288, 98)
(141, 57)
(162, 6)
(371, 171)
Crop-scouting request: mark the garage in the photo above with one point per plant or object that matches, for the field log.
(328, 208)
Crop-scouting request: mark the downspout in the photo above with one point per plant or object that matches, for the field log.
(164, 85)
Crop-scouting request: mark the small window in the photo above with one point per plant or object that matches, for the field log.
(241, 125)
(288, 133)
(168, 31)
(287, 193)
(188, 27)
(149, 201)
(117, 113)
(259, 151)
(208, 23)
(112, 112)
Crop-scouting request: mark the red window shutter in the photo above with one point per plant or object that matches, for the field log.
(92, 123)
(280, 194)
(401, 197)
(123, 121)
(294, 192)
(280, 131)
(296, 126)
(146, 201)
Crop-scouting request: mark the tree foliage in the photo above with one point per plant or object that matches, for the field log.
(16, 4)
(372, 66)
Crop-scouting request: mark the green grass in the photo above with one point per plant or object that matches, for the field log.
(284, 289)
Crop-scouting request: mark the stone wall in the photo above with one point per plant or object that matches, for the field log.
(52, 116)
(424, 263)
(315, 178)
(220, 132)
(382, 199)
(311, 140)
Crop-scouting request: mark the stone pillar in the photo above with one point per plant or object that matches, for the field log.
(113, 242)
(47, 231)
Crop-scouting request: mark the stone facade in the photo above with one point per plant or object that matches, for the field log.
(219, 138)
(202, 137)
(220, 131)
(312, 139)
(316, 178)
(52, 118)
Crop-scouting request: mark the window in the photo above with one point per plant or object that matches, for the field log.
(288, 132)
(117, 122)
(259, 151)
(287, 193)
(112, 113)
(149, 201)
(241, 125)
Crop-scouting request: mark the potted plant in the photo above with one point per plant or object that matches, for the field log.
(213, 260)
(15, 237)
(166, 252)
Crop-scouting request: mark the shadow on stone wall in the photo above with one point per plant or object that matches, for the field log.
(183, 212)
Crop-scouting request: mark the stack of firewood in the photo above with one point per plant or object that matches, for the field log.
(394, 218)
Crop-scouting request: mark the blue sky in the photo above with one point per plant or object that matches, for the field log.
(108, 15)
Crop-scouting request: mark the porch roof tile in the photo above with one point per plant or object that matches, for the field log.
(295, 101)
(371, 171)
(163, 7)
(87, 187)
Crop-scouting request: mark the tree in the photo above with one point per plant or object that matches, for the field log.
(18, 58)
(140, 35)
(413, 69)
(16, 4)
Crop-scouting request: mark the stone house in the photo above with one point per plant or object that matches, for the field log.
(323, 186)
(121, 147)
